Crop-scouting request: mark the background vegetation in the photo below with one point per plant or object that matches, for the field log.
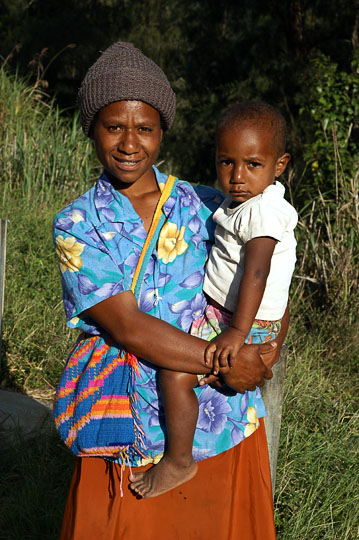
(302, 57)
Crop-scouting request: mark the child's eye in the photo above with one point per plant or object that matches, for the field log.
(254, 164)
(225, 162)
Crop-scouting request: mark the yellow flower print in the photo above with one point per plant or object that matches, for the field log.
(171, 242)
(74, 320)
(146, 461)
(76, 216)
(68, 252)
(109, 235)
(253, 422)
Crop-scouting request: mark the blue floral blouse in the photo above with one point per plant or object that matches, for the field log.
(98, 240)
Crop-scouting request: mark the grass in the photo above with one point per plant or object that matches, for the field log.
(35, 476)
(316, 492)
(46, 163)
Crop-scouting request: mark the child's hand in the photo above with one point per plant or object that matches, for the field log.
(221, 353)
(215, 381)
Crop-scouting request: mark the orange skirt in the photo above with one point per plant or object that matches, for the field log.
(230, 498)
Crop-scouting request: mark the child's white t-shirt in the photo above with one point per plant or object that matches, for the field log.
(267, 214)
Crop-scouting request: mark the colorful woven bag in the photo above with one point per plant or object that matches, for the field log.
(95, 408)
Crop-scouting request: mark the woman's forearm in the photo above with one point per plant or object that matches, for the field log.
(148, 337)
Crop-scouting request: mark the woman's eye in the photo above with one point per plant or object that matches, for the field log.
(144, 129)
(113, 129)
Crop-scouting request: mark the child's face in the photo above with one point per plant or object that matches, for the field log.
(127, 136)
(247, 161)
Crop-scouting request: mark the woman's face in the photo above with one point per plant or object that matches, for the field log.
(127, 136)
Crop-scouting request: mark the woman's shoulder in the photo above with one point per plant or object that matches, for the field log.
(82, 210)
(207, 196)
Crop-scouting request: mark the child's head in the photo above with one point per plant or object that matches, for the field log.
(126, 102)
(250, 149)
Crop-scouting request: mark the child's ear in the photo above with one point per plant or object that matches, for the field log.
(281, 164)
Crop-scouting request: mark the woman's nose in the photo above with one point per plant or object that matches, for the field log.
(128, 141)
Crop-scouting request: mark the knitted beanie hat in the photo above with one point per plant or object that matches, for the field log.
(124, 73)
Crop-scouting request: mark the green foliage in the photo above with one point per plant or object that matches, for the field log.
(46, 162)
(40, 149)
(332, 102)
(327, 194)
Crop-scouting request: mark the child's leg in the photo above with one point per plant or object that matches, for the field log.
(181, 409)
(177, 465)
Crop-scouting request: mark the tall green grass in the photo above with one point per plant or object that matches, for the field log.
(47, 162)
(40, 150)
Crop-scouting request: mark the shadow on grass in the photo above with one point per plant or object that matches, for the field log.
(34, 479)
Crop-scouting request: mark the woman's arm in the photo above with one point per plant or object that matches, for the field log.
(148, 337)
(166, 346)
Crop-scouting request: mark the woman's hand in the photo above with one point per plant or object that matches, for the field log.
(248, 370)
(259, 359)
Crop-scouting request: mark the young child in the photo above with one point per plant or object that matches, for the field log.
(247, 276)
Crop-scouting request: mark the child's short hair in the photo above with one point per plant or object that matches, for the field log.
(257, 112)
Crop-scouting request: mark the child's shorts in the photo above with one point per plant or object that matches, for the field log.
(214, 321)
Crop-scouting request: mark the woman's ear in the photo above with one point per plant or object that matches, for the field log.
(281, 164)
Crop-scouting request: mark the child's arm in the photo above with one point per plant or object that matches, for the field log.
(258, 255)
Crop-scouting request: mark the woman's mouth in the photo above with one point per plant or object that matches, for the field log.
(127, 164)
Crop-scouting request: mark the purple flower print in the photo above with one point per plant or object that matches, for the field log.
(132, 260)
(188, 198)
(137, 229)
(109, 214)
(237, 434)
(189, 310)
(148, 378)
(64, 223)
(200, 453)
(85, 284)
(213, 409)
(74, 215)
(244, 404)
(154, 413)
(196, 240)
(148, 299)
(109, 289)
(155, 447)
(192, 281)
(93, 234)
(150, 269)
(68, 304)
(194, 224)
(163, 279)
(168, 206)
(104, 196)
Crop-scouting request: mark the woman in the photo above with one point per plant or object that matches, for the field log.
(126, 103)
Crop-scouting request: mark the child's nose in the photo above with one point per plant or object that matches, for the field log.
(238, 174)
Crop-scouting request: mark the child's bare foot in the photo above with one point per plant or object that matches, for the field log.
(164, 476)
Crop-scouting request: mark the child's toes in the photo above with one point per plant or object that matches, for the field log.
(136, 477)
